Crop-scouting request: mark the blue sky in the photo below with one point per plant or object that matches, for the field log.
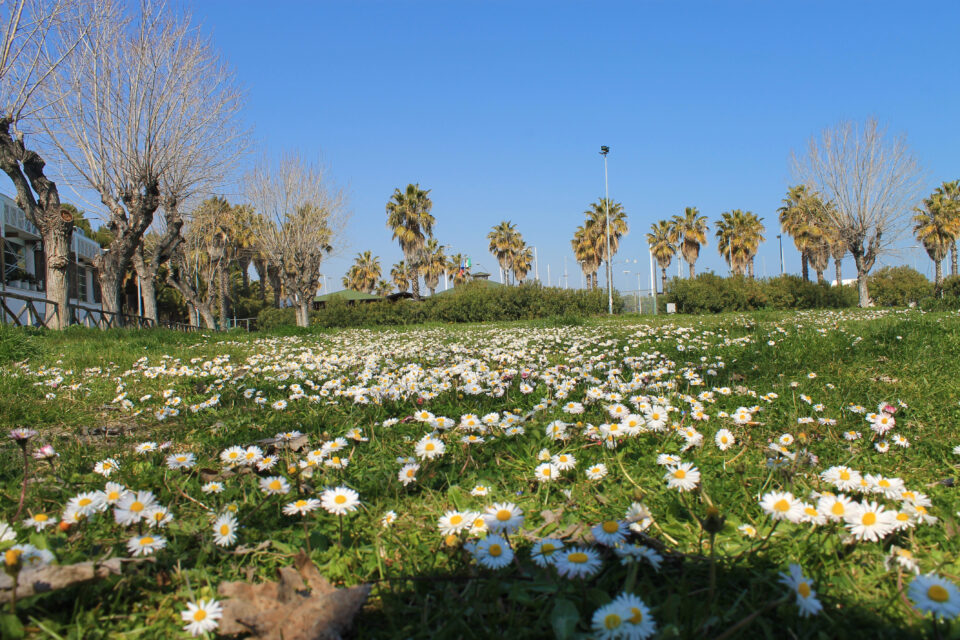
(500, 107)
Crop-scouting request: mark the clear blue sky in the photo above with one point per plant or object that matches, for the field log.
(500, 107)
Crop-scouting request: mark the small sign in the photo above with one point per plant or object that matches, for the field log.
(671, 307)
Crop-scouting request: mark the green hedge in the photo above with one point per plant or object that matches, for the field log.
(898, 287)
(710, 293)
(473, 302)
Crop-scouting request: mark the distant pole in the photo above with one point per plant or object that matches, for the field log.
(548, 275)
(780, 242)
(653, 283)
(604, 150)
(536, 266)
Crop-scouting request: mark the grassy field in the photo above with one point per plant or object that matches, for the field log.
(500, 401)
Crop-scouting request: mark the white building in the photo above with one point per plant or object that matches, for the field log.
(23, 272)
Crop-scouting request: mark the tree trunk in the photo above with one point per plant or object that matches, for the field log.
(433, 290)
(244, 273)
(836, 264)
(303, 312)
(224, 293)
(938, 278)
(691, 269)
(861, 281)
(110, 291)
(56, 248)
(953, 259)
(663, 279)
(805, 265)
(415, 287)
(820, 277)
(148, 291)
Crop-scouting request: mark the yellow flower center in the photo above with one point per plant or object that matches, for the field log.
(884, 483)
(146, 540)
(83, 502)
(810, 511)
(547, 548)
(837, 509)
(782, 505)
(233, 454)
(869, 518)
(224, 529)
(679, 474)
(335, 460)
(503, 515)
(340, 499)
(577, 557)
(41, 517)
(844, 475)
(804, 590)
(457, 519)
(903, 516)
(136, 506)
(637, 616)
(938, 593)
(611, 526)
(612, 621)
(430, 446)
(300, 504)
(275, 485)
(495, 550)
(199, 615)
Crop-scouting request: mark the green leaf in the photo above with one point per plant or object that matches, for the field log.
(39, 540)
(564, 619)
(11, 627)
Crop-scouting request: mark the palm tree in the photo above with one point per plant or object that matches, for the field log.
(798, 217)
(400, 274)
(364, 273)
(408, 217)
(691, 231)
(597, 216)
(454, 270)
(662, 241)
(434, 264)
(937, 227)
(384, 287)
(739, 234)
(585, 253)
(951, 203)
(504, 242)
(522, 262)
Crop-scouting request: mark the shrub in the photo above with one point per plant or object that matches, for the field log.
(898, 287)
(709, 293)
(271, 318)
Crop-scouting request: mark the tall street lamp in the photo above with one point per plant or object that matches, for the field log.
(780, 242)
(604, 150)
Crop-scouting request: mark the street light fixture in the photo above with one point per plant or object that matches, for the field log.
(780, 242)
(604, 150)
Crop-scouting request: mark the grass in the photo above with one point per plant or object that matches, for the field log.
(426, 586)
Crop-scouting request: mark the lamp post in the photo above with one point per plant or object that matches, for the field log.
(604, 150)
(536, 265)
(780, 242)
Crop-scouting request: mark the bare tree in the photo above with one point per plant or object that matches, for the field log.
(872, 184)
(38, 36)
(141, 116)
(304, 217)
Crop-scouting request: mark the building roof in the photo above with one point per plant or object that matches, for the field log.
(347, 294)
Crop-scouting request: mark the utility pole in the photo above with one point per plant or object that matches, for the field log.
(604, 150)
(536, 266)
(780, 242)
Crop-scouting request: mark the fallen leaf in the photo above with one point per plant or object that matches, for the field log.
(53, 577)
(301, 605)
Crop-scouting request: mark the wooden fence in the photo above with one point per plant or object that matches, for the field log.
(26, 311)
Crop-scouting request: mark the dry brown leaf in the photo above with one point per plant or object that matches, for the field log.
(52, 577)
(301, 605)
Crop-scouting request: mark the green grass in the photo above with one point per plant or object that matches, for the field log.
(427, 587)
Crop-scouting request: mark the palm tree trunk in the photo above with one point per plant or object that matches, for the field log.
(691, 270)
(663, 279)
(938, 278)
(953, 259)
(836, 264)
(415, 286)
(805, 265)
(820, 277)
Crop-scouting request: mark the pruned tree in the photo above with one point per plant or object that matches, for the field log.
(872, 183)
(142, 115)
(38, 37)
(196, 261)
(305, 215)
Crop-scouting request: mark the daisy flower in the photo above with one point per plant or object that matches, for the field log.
(578, 562)
(274, 485)
(429, 448)
(936, 595)
(388, 519)
(668, 459)
(158, 517)
(564, 461)
(233, 455)
(225, 530)
(266, 463)
(145, 545)
(133, 507)
(453, 522)
(869, 521)
(834, 507)
(807, 600)
(340, 500)
(724, 439)
(748, 530)
(181, 461)
(503, 516)
(544, 552)
(609, 622)
(252, 455)
(639, 624)
(408, 473)
(39, 521)
(201, 616)
(544, 455)
(106, 467)
(546, 472)
(597, 471)
(480, 491)
(301, 507)
(212, 487)
(493, 552)
(610, 533)
(782, 506)
(683, 477)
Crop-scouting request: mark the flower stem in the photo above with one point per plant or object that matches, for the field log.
(26, 477)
